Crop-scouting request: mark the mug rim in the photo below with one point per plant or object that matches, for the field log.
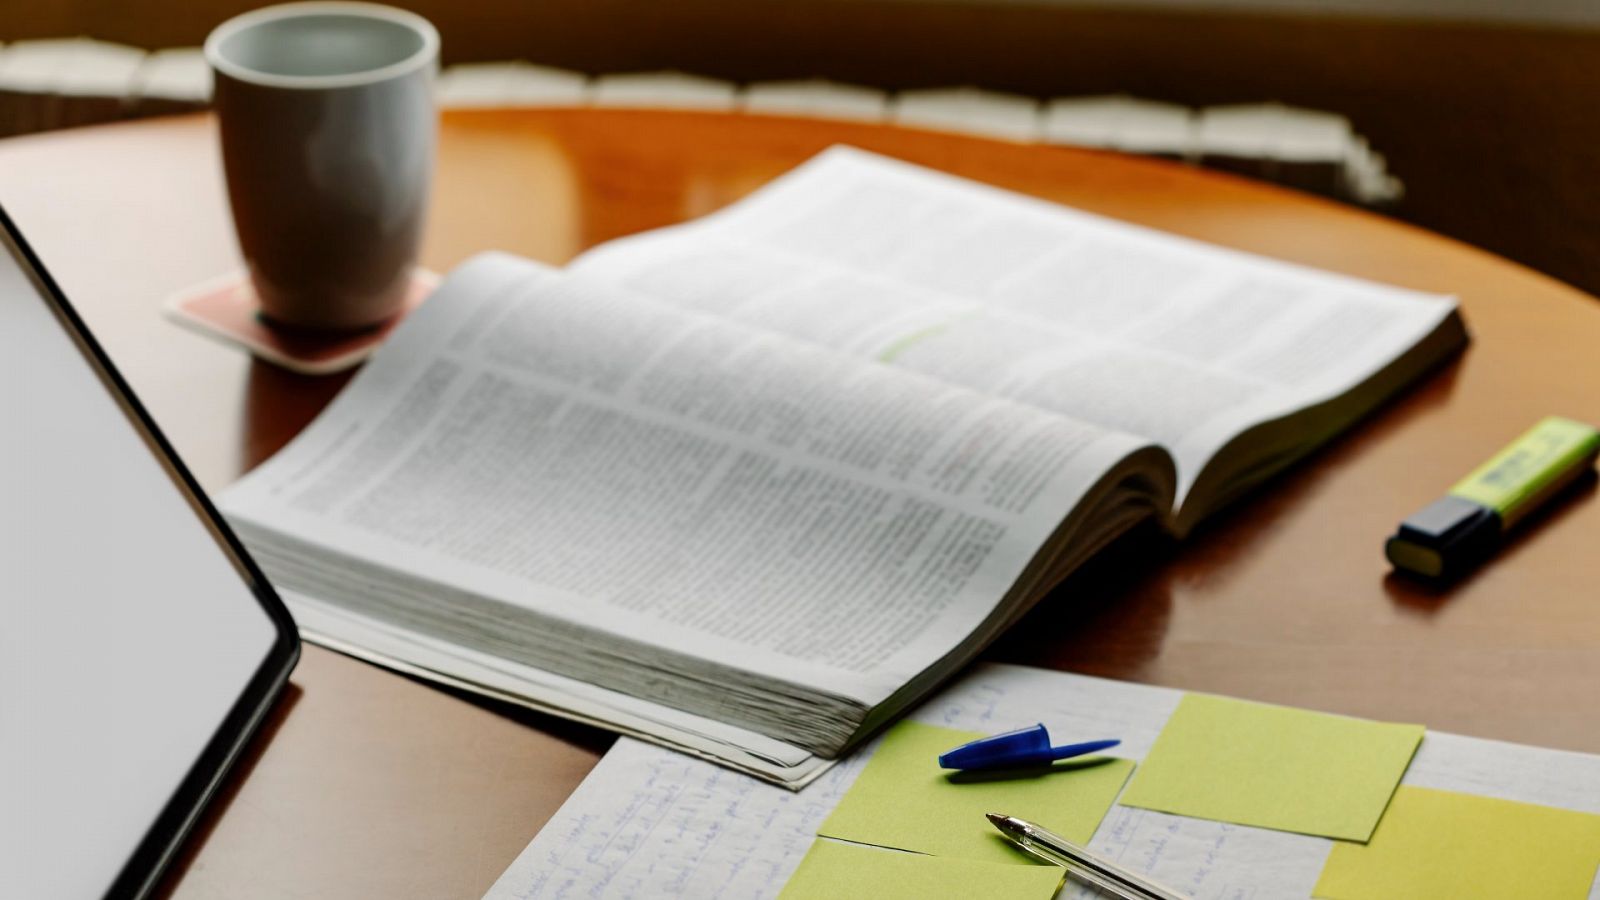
(424, 56)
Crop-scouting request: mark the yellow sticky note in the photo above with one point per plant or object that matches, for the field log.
(1440, 845)
(831, 870)
(902, 799)
(1274, 767)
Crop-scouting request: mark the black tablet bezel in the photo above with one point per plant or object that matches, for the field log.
(149, 860)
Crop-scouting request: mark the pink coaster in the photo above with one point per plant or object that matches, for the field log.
(226, 309)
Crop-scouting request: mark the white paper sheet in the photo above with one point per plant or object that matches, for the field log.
(648, 822)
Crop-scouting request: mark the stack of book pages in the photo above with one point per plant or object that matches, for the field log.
(58, 83)
(52, 84)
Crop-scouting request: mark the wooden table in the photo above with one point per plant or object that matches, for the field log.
(368, 784)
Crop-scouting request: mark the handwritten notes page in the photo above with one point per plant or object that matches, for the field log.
(649, 822)
(1236, 761)
(1441, 845)
(833, 870)
(902, 800)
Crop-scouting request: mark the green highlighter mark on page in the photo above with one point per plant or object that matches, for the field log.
(1460, 529)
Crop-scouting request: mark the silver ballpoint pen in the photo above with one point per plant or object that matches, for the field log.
(1079, 862)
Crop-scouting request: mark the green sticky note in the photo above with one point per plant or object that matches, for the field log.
(902, 799)
(1440, 845)
(1274, 767)
(832, 870)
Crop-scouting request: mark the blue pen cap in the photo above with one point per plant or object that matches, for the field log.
(1023, 747)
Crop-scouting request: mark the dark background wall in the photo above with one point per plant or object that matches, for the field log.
(1494, 128)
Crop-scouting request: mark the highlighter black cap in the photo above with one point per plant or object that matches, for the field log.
(1445, 539)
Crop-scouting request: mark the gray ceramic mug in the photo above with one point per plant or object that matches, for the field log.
(328, 128)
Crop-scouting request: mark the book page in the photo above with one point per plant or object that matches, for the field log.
(1180, 342)
(673, 481)
(450, 664)
(650, 822)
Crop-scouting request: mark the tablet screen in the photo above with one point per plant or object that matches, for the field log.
(129, 631)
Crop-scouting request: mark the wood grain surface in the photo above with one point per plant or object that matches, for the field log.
(368, 784)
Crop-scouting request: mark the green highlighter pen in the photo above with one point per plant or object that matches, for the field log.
(1458, 530)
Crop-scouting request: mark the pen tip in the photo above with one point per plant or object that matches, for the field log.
(998, 820)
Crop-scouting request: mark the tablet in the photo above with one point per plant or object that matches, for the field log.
(139, 645)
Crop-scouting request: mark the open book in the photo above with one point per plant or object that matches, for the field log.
(753, 485)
